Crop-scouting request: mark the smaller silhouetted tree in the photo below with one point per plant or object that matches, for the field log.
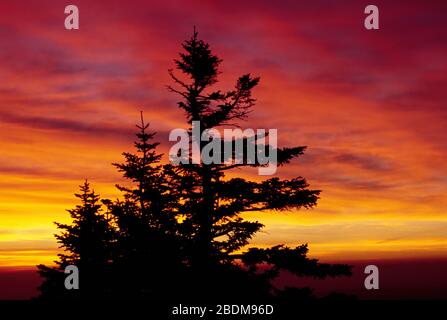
(88, 244)
(147, 237)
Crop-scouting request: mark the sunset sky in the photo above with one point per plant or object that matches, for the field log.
(370, 106)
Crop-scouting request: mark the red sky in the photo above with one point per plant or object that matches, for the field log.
(370, 105)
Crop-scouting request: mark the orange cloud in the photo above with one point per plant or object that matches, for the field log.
(370, 106)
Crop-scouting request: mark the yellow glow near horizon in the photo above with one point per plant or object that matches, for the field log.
(371, 113)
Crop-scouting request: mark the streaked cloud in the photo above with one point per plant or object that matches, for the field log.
(370, 106)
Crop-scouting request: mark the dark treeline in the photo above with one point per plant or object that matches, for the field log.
(177, 230)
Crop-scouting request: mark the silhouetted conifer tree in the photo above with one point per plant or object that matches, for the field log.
(88, 243)
(146, 224)
(179, 230)
(212, 205)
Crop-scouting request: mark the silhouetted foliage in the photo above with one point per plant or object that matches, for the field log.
(88, 244)
(179, 229)
(212, 205)
(146, 224)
